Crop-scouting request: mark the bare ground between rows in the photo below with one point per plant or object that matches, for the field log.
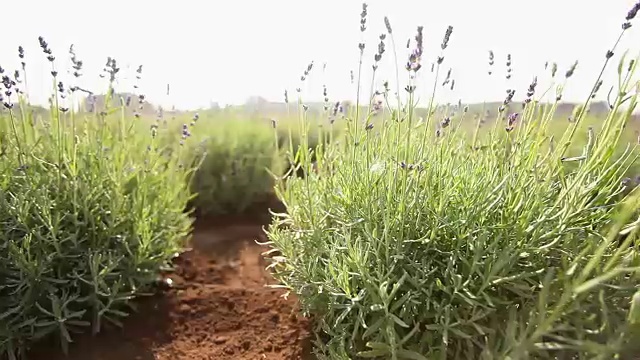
(218, 308)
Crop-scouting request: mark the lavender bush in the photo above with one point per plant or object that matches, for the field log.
(414, 240)
(91, 211)
(236, 164)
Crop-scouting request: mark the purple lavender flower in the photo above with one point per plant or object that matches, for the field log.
(633, 12)
(447, 36)
(511, 122)
(185, 131)
(414, 63)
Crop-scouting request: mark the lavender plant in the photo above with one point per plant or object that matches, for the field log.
(236, 164)
(91, 211)
(414, 241)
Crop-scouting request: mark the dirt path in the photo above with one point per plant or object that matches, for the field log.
(218, 308)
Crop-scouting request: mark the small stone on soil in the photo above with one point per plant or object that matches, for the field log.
(220, 339)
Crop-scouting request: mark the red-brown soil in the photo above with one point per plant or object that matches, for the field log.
(218, 308)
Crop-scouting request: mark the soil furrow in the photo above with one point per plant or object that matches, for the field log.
(218, 307)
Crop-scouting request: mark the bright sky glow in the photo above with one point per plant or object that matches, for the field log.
(226, 51)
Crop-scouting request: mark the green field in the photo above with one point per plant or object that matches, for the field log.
(432, 232)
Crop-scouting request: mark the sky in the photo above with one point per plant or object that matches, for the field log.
(227, 51)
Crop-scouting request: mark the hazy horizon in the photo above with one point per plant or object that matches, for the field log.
(251, 48)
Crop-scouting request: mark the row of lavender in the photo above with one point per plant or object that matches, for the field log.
(97, 199)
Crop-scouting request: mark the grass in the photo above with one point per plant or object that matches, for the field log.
(415, 233)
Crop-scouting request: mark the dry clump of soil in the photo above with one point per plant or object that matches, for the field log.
(217, 308)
